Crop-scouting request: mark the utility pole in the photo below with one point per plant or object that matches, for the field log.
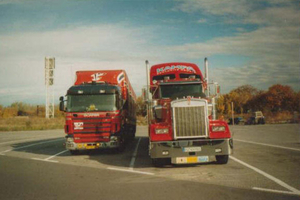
(49, 81)
(232, 113)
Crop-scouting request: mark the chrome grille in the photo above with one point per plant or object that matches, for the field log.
(189, 121)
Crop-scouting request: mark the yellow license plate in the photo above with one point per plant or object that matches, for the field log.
(192, 159)
(90, 147)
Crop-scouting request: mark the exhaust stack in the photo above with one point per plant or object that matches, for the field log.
(206, 74)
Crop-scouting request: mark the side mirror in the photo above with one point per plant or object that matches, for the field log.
(215, 92)
(61, 104)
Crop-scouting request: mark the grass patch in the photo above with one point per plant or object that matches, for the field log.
(30, 123)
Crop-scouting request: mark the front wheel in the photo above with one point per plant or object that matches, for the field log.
(222, 159)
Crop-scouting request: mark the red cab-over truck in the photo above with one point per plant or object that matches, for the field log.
(100, 111)
(183, 127)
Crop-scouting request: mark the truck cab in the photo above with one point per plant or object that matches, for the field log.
(99, 114)
(183, 127)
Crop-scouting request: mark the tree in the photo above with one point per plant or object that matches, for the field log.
(280, 98)
(221, 105)
(296, 104)
(257, 102)
(1, 110)
(141, 106)
(241, 95)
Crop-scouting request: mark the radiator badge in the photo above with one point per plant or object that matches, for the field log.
(78, 125)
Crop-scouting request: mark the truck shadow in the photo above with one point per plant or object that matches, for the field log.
(111, 157)
(135, 154)
(40, 147)
(125, 158)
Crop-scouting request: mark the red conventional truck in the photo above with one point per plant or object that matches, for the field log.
(182, 117)
(100, 111)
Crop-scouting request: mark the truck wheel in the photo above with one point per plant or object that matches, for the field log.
(74, 152)
(121, 146)
(222, 159)
(133, 131)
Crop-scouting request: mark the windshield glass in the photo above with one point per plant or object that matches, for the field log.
(81, 103)
(180, 91)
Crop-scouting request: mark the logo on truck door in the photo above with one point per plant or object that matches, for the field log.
(97, 76)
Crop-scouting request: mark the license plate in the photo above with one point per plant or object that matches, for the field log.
(90, 147)
(194, 159)
(192, 149)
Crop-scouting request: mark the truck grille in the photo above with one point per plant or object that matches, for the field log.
(92, 125)
(190, 121)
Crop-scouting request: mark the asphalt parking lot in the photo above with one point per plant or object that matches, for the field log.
(264, 165)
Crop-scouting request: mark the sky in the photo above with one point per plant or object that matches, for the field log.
(246, 42)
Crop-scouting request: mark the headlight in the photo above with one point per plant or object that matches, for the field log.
(70, 139)
(114, 138)
(161, 131)
(218, 128)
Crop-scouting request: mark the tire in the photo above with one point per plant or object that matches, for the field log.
(222, 159)
(134, 131)
(74, 152)
(122, 146)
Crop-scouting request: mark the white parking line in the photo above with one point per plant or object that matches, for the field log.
(23, 147)
(48, 159)
(269, 145)
(276, 180)
(130, 171)
(134, 155)
(40, 159)
(274, 191)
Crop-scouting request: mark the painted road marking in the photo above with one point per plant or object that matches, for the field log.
(130, 171)
(23, 147)
(134, 155)
(49, 158)
(269, 145)
(276, 180)
(40, 159)
(274, 191)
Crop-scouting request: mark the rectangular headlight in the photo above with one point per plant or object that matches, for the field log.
(70, 139)
(218, 128)
(161, 131)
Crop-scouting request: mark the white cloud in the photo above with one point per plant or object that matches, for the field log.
(235, 7)
(274, 52)
(81, 48)
(202, 21)
(273, 47)
(243, 11)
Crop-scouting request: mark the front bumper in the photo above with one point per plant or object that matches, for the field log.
(191, 151)
(91, 145)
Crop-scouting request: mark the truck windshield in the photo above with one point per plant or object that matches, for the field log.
(100, 102)
(180, 91)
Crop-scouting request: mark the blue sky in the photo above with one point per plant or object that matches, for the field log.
(247, 42)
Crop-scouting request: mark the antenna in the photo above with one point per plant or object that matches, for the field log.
(49, 81)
